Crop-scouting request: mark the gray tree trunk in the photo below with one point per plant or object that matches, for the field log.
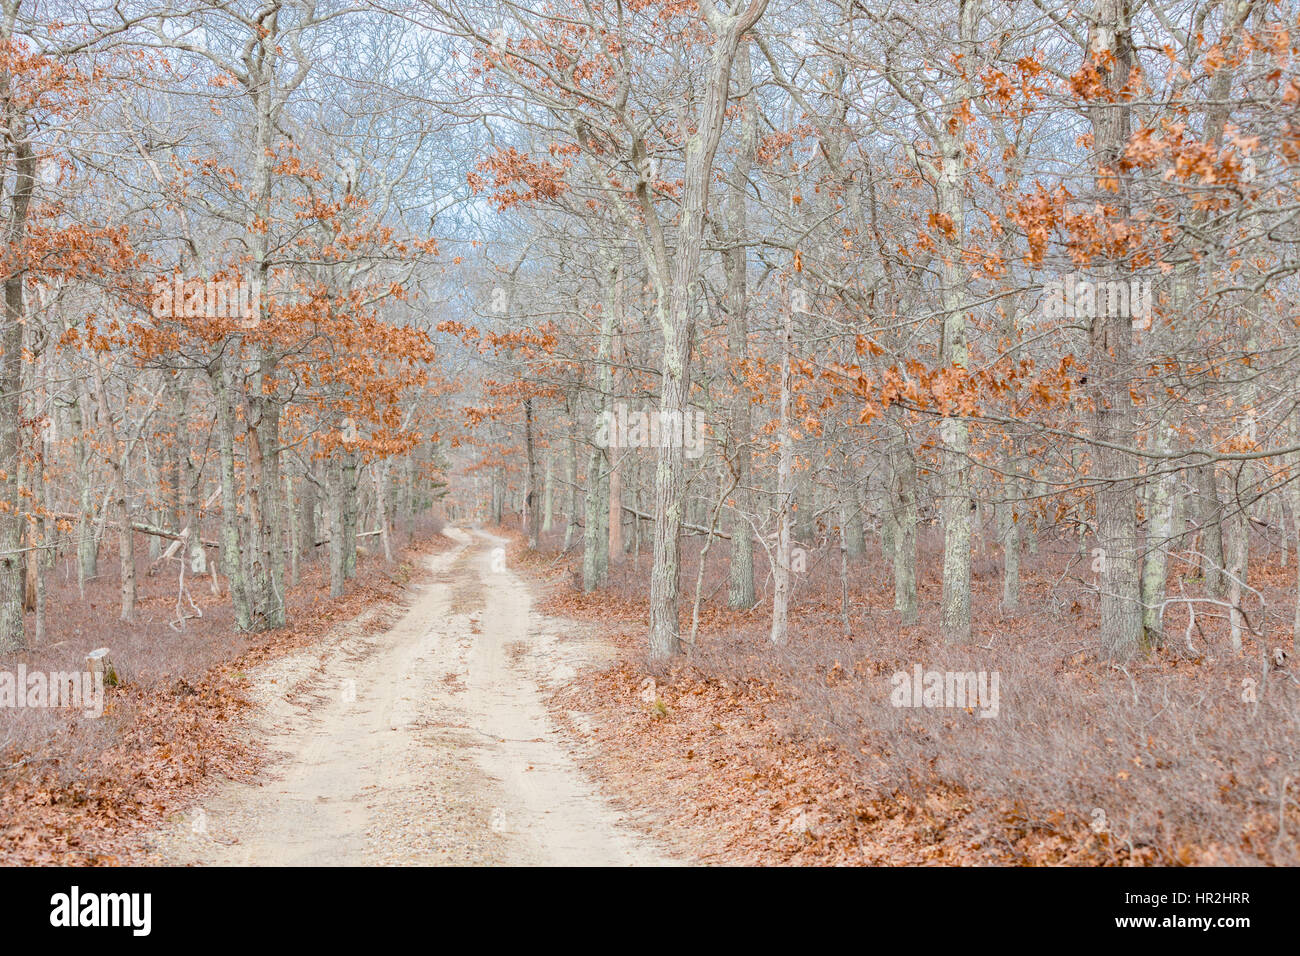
(1009, 512)
(1209, 518)
(901, 521)
(1109, 364)
(784, 495)
(232, 558)
(13, 623)
(532, 513)
(954, 432)
(676, 308)
(595, 538)
(548, 496)
(1160, 511)
(334, 493)
(571, 472)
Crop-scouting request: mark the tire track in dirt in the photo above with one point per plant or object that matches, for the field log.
(426, 743)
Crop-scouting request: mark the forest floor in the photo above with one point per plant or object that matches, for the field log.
(422, 743)
(746, 754)
(448, 710)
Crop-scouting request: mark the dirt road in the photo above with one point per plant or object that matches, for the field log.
(424, 743)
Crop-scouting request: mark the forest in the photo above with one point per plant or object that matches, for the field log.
(902, 397)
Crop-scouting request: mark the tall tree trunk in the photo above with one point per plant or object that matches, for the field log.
(531, 497)
(38, 549)
(901, 521)
(615, 519)
(548, 496)
(262, 429)
(379, 475)
(851, 535)
(1238, 559)
(676, 308)
(349, 509)
(1209, 518)
(12, 620)
(571, 471)
(308, 533)
(954, 432)
(292, 523)
(1160, 511)
(595, 537)
(1111, 52)
(117, 465)
(670, 493)
(232, 557)
(262, 439)
(1009, 512)
(1294, 489)
(191, 504)
(617, 456)
(498, 497)
(87, 543)
(334, 495)
(784, 496)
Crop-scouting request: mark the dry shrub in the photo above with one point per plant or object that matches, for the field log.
(156, 734)
(1159, 762)
(1165, 755)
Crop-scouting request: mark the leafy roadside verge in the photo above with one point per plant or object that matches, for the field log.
(77, 797)
(705, 761)
(745, 754)
(710, 760)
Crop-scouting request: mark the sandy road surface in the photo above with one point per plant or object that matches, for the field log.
(426, 743)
